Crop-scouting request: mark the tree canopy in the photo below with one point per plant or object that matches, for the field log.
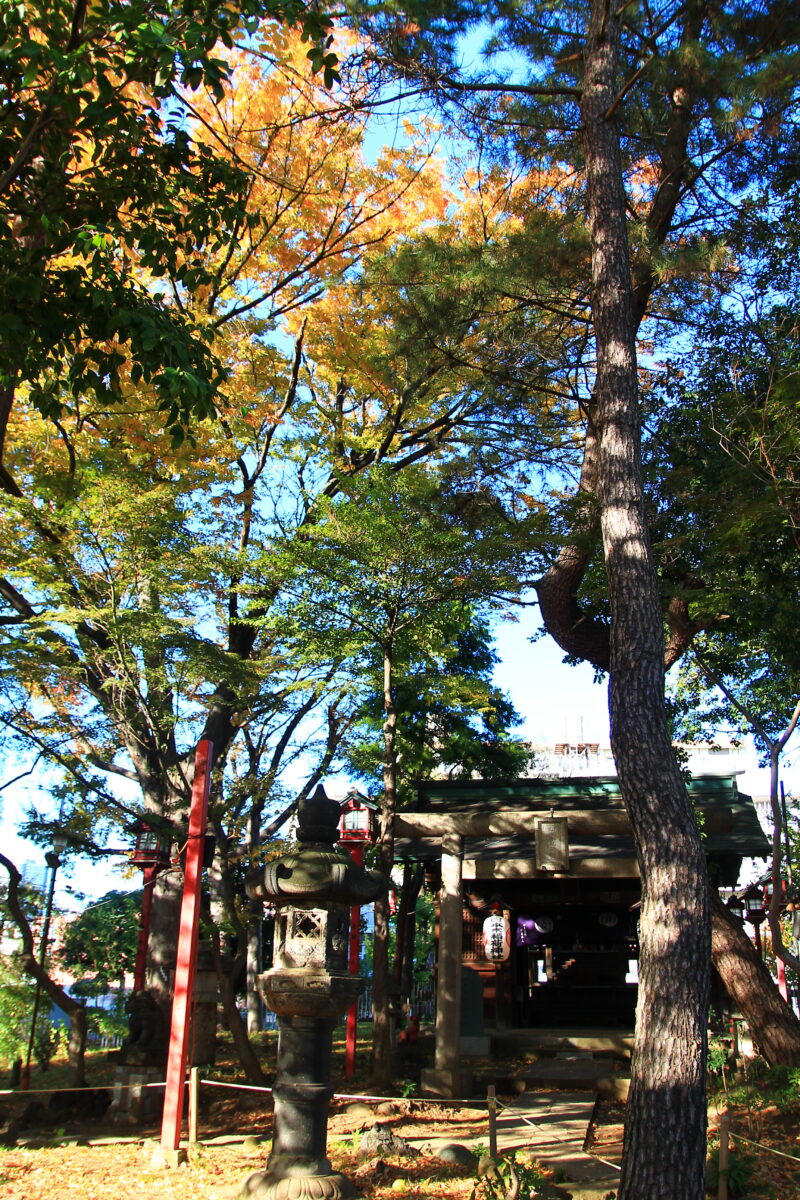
(101, 942)
(577, 331)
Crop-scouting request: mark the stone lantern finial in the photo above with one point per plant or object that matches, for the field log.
(318, 818)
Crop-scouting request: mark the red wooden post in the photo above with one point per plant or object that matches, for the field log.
(782, 987)
(187, 952)
(351, 1028)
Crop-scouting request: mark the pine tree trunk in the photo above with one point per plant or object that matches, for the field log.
(665, 1138)
(774, 1027)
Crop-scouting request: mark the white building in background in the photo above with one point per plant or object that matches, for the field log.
(566, 760)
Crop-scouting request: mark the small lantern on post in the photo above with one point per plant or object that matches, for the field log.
(314, 889)
(358, 823)
(552, 844)
(151, 854)
(754, 912)
(358, 826)
(768, 893)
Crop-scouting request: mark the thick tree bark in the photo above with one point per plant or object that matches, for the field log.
(665, 1142)
(774, 1027)
(162, 946)
(558, 590)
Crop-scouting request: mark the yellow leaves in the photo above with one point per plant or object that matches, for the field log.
(315, 203)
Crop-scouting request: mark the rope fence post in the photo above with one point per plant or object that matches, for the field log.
(194, 1103)
(724, 1155)
(491, 1100)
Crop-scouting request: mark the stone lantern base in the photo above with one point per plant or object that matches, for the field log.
(265, 1186)
(298, 1167)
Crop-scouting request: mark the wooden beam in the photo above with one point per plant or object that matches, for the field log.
(504, 822)
(525, 868)
(512, 821)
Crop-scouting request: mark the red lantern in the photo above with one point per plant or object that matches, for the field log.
(768, 891)
(151, 848)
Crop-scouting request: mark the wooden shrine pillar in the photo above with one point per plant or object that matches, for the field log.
(447, 1077)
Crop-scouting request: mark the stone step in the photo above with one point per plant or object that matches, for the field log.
(539, 1043)
(604, 1076)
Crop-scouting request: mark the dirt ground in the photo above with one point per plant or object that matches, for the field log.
(92, 1161)
(764, 1175)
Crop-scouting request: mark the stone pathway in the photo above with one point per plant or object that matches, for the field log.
(553, 1126)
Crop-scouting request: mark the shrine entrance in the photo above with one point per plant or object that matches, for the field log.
(573, 959)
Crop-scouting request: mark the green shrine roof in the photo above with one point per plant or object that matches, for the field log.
(730, 826)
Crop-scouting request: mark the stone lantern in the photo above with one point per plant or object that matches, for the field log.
(313, 889)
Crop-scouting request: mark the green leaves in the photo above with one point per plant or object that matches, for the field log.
(102, 941)
(393, 575)
(102, 191)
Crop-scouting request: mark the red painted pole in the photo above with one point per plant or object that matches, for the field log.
(351, 1028)
(187, 952)
(140, 970)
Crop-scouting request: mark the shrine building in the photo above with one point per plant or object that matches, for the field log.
(539, 901)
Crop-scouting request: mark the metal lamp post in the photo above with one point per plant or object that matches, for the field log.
(313, 889)
(53, 860)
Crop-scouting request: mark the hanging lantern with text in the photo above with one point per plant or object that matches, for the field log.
(552, 844)
(497, 937)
